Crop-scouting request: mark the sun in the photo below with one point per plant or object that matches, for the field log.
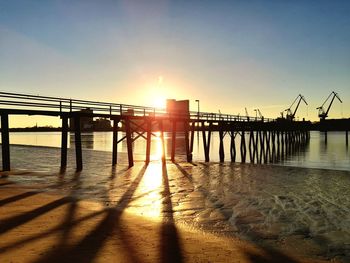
(159, 101)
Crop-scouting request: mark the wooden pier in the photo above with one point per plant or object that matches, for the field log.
(261, 140)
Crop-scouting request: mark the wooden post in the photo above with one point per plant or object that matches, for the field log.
(221, 145)
(273, 139)
(5, 142)
(283, 141)
(258, 158)
(77, 135)
(162, 141)
(278, 145)
(209, 140)
(251, 145)
(148, 140)
(64, 141)
(268, 146)
(233, 147)
(173, 142)
(129, 142)
(192, 137)
(115, 142)
(187, 142)
(243, 147)
(325, 137)
(262, 145)
(206, 141)
(347, 137)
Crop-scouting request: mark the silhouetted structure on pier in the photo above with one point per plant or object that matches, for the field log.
(260, 139)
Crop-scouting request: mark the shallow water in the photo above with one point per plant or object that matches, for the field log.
(268, 204)
(333, 154)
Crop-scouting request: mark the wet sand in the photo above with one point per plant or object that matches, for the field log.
(147, 214)
(38, 226)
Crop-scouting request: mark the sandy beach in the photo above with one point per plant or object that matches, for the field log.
(141, 223)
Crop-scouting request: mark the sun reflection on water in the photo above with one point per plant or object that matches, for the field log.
(156, 147)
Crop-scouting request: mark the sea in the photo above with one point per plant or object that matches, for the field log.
(302, 199)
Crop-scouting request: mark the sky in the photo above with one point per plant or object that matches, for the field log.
(229, 55)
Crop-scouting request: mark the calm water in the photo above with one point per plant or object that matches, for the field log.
(331, 155)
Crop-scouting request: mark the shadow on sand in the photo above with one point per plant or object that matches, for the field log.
(90, 245)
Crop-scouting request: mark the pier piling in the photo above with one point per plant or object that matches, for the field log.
(5, 142)
(64, 141)
(77, 137)
(115, 142)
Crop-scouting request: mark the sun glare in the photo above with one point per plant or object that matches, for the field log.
(159, 94)
(159, 102)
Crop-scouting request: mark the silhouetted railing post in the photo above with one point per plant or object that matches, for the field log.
(5, 142)
(347, 137)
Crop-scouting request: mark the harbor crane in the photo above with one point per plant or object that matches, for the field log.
(257, 111)
(291, 115)
(321, 112)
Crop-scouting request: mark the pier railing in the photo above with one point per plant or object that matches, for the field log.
(61, 105)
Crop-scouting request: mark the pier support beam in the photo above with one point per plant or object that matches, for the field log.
(5, 142)
(221, 145)
(64, 141)
(206, 141)
(243, 147)
(173, 142)
(233, 146)
(347, 138)
(187, 142)
(77, 136)
(251, 146)
(192, 137)
(115, 142)
(162, 141)
(129, 142)
(148, 141)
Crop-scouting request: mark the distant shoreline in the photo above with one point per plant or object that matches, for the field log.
(51, 129)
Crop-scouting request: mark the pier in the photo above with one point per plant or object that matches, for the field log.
(261, 140)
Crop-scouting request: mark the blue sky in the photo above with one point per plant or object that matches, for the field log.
(227, 54)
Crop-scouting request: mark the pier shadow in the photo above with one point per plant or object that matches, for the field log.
(170, 244)
(93, 241)
(17, 197)
(5, 183)
(16, 221)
